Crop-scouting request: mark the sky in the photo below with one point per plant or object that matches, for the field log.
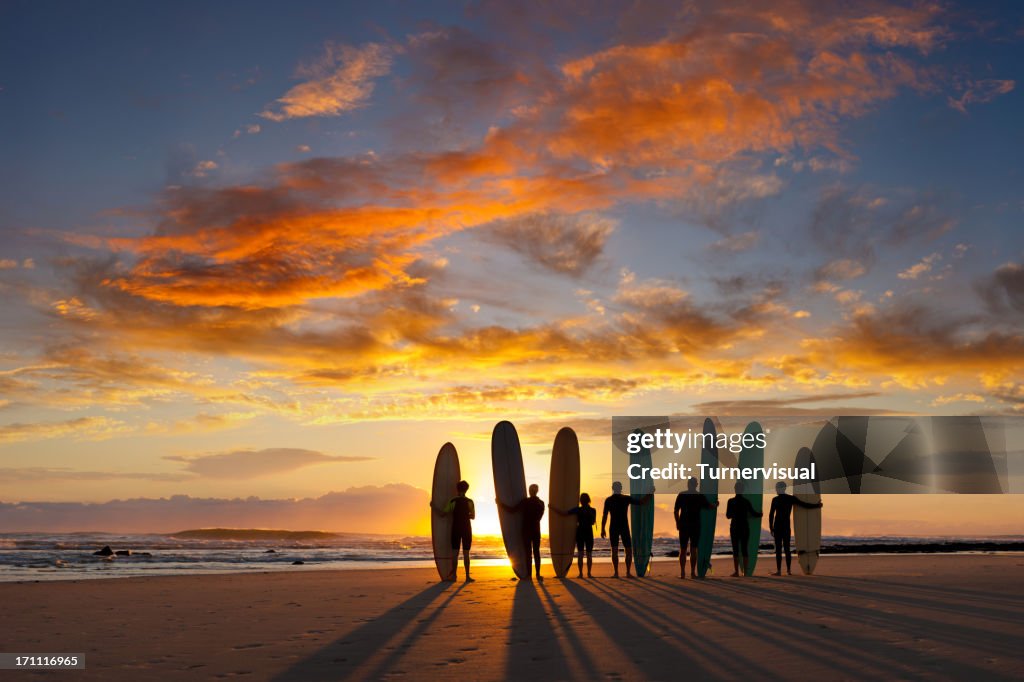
(286, 251)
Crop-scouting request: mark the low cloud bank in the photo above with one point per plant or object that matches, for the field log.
(393, 508)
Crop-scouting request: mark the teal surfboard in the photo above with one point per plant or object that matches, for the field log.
(753, 458)
(642, 515)
(709, 488)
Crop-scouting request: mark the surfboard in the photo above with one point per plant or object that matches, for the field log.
(642, 515)
(753, 458)
(510, 489)
(447, 475)
(807, 522)
(564, 494)
(708, 517)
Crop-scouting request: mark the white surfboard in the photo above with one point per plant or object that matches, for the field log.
(807, 522)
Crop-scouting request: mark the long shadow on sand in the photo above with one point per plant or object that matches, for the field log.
(531, 639)
(949, 630)
(735, 605)
(993, 607)
(574, 650)
(668, 652)
(343, 657)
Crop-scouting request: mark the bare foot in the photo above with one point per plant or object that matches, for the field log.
(736, 574)
(777, 573)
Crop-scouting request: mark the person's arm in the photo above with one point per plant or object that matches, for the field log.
(807, 505)
(772, 513)
(472, 510)
(558, 511)
(604, 518)
(678, 507)
(510, 507)
(541, 511)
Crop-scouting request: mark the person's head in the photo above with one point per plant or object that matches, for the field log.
(617, 487)
(780, 488)
(533, 489)
(584, 498)
(691, 485)
(462, 487)
(739, 487)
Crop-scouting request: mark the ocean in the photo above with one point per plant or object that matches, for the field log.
(70, 556)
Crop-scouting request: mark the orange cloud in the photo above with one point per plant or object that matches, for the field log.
(327, 274)
(340, 80)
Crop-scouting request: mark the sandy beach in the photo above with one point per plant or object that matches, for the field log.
(935, 617)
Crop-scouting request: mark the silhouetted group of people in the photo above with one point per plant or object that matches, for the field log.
(687, 513)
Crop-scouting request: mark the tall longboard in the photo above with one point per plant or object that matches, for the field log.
(563, 494)
(753, 458)
(510, 489)
(447, 475)
(709, 488)
(642, 515)
(807, 522)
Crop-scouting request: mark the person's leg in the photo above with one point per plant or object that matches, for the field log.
(627, 543)
(683, 540)
(615, 557)
(536, 554)
(579, 554)
(789, 555)
(744, 553)
(590, 556)
(694, 550)
(734, 537)
(778, 554)
(467, 543)
(456, 543)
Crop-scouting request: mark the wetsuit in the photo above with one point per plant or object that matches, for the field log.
(462, 510)
(687, 511)
(533, 512)
(778, 524)
(739, 510)
(586, 517)
(616, 506)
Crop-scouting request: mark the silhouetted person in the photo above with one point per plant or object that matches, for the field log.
(739, 510)
(687, 513)
(586, 517)
(532, 508)
(462, 511)
(616, 506)
(778, 524)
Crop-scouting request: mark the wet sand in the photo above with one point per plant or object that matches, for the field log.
(921, 616)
